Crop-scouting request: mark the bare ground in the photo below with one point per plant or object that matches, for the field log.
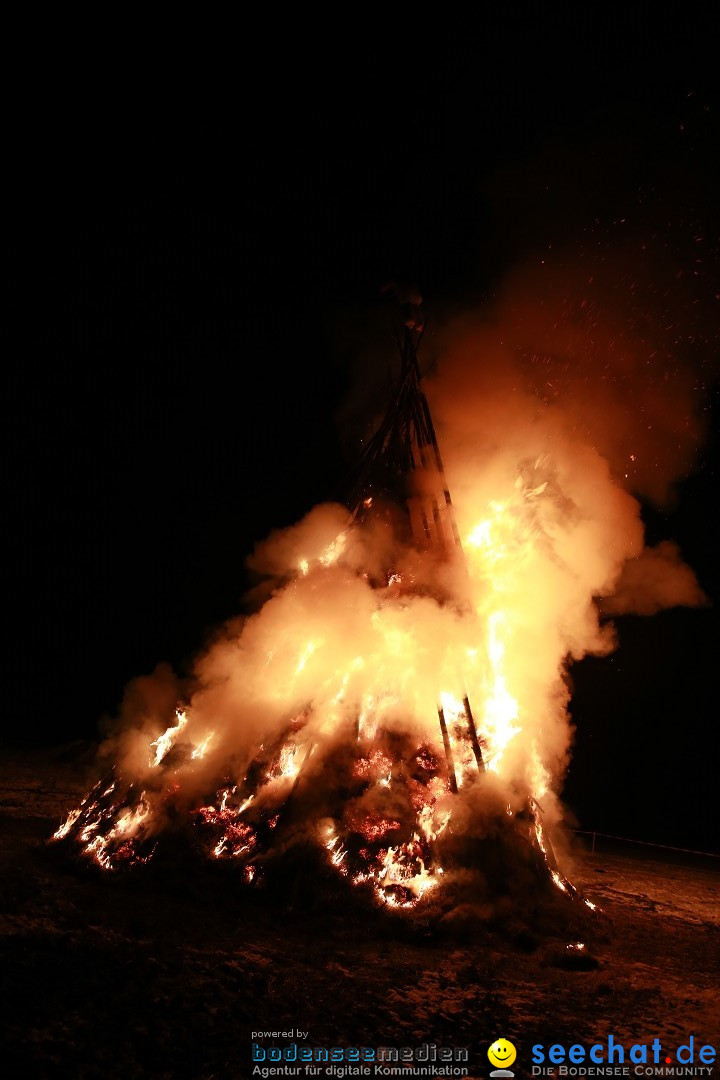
(167, 973)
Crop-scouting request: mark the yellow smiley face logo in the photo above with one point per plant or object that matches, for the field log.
(502, 1053)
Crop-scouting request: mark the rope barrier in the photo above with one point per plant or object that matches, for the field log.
(643, 843)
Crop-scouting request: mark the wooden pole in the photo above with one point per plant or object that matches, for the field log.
(472, 731)
(448, 751)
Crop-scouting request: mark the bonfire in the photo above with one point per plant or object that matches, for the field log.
(398, 705)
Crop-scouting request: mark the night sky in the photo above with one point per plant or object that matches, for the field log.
(190, 258)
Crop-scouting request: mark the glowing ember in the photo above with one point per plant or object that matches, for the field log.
(111, 834)
(288, 765)
(232, 838)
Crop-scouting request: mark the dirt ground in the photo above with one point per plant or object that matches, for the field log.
(166, 973)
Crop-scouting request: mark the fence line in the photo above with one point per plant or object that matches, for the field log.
(642, 843)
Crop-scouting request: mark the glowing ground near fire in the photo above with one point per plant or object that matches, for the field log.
(192, 963)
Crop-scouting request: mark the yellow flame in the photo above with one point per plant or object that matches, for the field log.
(399, 869)
(501, 708)
(67, 825)
(201, 749)
(328, 556)
(289, 764)
(163, 742)
(333, 551)
(310, 648)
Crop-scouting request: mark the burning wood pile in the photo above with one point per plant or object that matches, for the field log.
(398, 704)
(384, 818)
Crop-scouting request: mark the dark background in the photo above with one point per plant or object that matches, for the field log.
(187, 231)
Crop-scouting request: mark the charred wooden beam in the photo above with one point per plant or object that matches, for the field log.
(472, 732)
(448, 750)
